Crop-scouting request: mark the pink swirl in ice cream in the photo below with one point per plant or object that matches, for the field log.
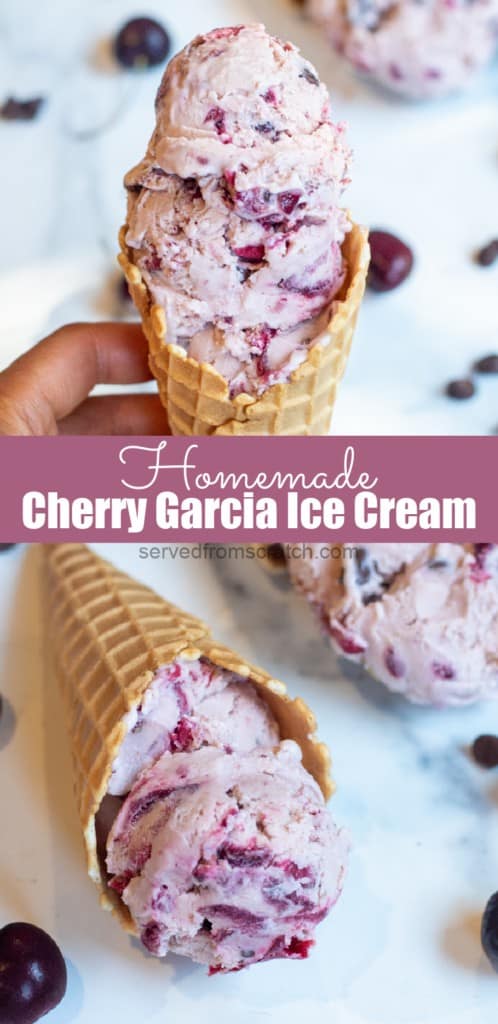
(189, 704)
(422, 618)
(234, 215)
(420, 48)
(228, 859)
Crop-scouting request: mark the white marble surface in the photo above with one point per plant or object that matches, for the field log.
(401, 947)
(428, 172)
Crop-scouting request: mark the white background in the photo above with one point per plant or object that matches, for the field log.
(428, 172)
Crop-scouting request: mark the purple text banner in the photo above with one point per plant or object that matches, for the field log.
(249, 489)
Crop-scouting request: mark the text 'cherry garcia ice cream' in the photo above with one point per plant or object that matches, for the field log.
(234, 223)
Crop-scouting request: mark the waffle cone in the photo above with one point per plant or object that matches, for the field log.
(109, 635)
(196, 397)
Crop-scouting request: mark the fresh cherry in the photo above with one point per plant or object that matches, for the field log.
(33, 974)
(142, 43)
(391, 263)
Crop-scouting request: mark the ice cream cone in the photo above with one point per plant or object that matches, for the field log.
(109, 635)
(196, 397)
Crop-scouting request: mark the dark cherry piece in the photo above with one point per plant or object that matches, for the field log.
(488, 255)
(33, 974)
(142, 43)
(461, 389)
(21, 110)
(488, 364)
(489, 931)
(485, 751)
(392, 261)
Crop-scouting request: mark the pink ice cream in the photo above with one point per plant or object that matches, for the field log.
(190, 704)
(229, 859)
(234, 215)
(422, 618)
(420, 48)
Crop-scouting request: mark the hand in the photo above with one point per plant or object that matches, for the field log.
(47, 390)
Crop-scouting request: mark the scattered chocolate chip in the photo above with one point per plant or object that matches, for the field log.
(437, 563)
(33, 974)
(142, 43)
(488, 255)
(488, 364)
(391, 262)
(489, 931)
(461, 389)
(485, 751)
(6, 547)
(21, 110)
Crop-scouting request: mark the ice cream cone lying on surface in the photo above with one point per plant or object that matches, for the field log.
(246, 270)
(201, 785)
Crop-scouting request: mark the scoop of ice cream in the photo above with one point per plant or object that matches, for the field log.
(422, 618)
(420, 48)
(228, 859)
(234, 216)
(190, 704)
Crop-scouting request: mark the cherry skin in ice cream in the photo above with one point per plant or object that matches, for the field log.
(33, 974)
(418, 48)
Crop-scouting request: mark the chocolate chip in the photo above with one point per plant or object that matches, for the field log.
(485, 751)
(437, 563)
(21, 110)
(488, 255)
(461, 389)
(371, 598)
(488, 364)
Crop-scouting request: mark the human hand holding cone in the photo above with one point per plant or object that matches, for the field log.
(246, 271)
(110, 636)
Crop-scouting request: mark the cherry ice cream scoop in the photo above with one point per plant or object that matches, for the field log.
(228, 859)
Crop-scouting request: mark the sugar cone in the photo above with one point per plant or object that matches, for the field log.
(196, 397)
(109, 635)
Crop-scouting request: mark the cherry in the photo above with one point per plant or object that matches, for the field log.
(33, 974)
(391, 263)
